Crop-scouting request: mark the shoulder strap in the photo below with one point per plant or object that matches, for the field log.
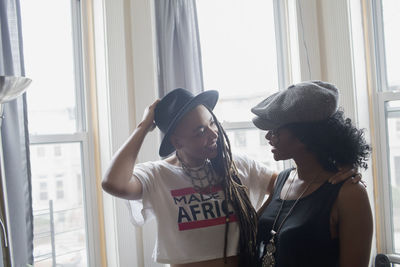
(281, 179)
(279, 182)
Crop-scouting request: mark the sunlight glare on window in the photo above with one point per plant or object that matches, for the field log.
(49, 63)
(391, 22)
(238, 54)
(239, 60)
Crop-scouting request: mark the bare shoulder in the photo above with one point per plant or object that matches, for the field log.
(353, 199)
(355, 224)
(352, 191)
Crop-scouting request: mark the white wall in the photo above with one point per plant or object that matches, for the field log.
(126, 82)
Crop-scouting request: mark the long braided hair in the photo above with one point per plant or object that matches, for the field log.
(236, 195)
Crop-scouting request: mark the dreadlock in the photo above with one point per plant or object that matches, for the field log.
(236, 195)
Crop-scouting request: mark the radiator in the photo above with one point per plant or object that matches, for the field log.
(386, 260)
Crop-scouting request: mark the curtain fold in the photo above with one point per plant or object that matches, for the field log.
(15, 140)
(178, 46)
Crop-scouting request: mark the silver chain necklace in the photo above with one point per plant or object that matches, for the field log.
(203, 178)
(268, 259)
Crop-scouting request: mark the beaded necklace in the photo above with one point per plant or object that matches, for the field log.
(203, 178)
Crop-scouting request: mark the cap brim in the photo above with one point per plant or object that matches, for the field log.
(264, 124)
(207, 98)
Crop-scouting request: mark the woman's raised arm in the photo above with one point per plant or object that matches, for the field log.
(119, 179)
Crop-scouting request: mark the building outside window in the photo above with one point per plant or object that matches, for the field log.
(60, 189)
(57, 151)
(44, 195)
(240, 138)
(40, 152)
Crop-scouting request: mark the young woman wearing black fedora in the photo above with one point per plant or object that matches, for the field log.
(308, 221)
(203, 197)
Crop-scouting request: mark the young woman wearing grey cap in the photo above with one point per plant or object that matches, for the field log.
(309, 222)
(203, 197)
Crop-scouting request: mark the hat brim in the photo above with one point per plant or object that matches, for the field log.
(264, 124)
(207, 98)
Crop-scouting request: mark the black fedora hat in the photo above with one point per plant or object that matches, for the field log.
(171, 109)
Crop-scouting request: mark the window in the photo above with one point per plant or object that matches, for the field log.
(57, 151)
(387, 42)
(392, 112)
(390, 19)
(40, 152)
(241, 57)
(60, 189)
(43, 186)
(43, 191)
(58, 126)
(397, 170)
(240, 138)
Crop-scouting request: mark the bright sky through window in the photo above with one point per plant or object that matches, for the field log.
(238, 53)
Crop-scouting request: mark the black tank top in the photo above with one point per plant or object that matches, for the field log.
(304, 238)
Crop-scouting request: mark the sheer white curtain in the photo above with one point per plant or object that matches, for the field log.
(178, 46)
(14, 133)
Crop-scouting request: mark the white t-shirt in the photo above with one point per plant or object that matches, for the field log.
(191, 226)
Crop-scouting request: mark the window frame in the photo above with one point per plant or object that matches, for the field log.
(381, 95)
(84, 134)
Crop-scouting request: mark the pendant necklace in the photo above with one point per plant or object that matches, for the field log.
(268, 259)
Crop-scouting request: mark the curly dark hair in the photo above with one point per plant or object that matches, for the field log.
(335, 141)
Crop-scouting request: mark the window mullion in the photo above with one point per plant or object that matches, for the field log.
(388, 96)
(78, 65)
(90, 195)
(238, 125)
(380, 46)
(384, 185)
(57, 138)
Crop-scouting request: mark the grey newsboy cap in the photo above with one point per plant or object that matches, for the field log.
(302, 102)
